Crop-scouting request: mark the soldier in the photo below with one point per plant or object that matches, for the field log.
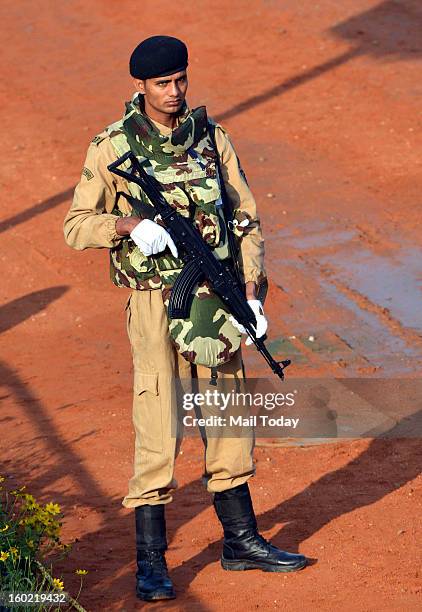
(184, 150)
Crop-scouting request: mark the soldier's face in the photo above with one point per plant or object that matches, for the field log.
(165, 94)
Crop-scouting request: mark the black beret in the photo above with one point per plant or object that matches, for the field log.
(158, 56)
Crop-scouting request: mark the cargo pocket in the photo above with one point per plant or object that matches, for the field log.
(147, 411)
(146, 381)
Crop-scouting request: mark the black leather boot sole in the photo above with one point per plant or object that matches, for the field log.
(240, 565)
(156, 595)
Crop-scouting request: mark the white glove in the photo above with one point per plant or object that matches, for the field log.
(151, 238)
(261, 321)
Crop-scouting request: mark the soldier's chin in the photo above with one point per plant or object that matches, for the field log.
(173, 107)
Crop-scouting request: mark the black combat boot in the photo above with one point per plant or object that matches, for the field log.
(244, 548)
(152, 580)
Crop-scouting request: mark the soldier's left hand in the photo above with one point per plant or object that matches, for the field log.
(261, 321)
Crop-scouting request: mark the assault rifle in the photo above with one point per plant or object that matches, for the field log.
(200, 262)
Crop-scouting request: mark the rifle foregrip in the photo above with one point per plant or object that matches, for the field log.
(181, 294)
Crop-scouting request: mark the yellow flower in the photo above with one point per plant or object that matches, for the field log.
(30, 501)
(58, 584)
(81, 572)
(13, 551)
(2, 479)
(30, 543)
(4, 555)
(52, 508)
(5, 528)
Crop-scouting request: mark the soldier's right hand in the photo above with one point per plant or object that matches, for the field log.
(152, 238)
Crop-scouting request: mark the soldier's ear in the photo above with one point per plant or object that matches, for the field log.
(139, 85)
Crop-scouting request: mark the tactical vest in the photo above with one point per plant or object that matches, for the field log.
(185, 164)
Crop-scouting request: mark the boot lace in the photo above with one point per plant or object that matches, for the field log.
(156, 560)
(260, 538)
(253, 535)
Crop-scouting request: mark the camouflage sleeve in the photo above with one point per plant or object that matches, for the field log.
(244, 206)
(89, 222)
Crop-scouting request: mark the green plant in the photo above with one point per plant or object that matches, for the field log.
(29, 543)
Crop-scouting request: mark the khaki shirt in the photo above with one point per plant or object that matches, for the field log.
(91, 224)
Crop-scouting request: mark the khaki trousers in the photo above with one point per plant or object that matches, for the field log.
(157, 366)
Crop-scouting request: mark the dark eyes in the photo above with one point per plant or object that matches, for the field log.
(164, 83)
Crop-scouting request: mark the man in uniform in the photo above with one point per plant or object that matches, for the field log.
(179, 146)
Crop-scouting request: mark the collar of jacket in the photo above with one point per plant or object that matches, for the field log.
(146, 140)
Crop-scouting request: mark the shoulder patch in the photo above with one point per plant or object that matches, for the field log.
(86, 172)
(99, 138)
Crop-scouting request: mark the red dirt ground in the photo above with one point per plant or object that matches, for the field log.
(322, 101)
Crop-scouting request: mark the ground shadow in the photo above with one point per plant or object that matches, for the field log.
(42, 459)
(386, 464)
(390, 31)
(37, 209)
(52, 445)
(20, 309)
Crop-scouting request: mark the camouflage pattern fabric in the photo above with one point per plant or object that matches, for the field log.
(207, 337)
(185, 165)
